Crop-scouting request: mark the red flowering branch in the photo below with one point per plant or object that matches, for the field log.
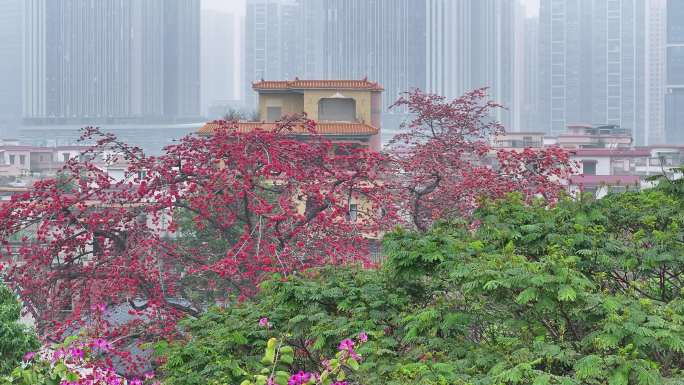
(446, 162)
(277, 203)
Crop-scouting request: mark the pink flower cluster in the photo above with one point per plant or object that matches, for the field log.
(300, 378)
(76, 358)
(347, 346)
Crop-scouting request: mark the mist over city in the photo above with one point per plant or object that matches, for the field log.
(341, 192)
(158, 69)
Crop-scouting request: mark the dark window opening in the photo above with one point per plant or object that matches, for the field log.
(353, 212)
(589, 167)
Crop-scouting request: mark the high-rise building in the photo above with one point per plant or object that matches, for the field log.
(564, 63)
(270, 34)
(674, 97)
(10, 59)
(473, 44)
(530, 100)
(218, 58)
(656, 55)
(383, 40)
(110, 60)
(594, 67)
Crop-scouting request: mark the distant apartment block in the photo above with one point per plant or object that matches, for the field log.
(17, 160)
(10, 54)
(674, 97)
(477, 43)
(599, 63)
(114, 61)
(606, 157)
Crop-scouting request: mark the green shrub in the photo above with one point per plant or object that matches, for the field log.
(15, 338)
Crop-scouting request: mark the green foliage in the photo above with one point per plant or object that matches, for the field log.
(68, 363)
(15, 338)
(40, 372)
(587, 292)
(314, 312)
(278, 358)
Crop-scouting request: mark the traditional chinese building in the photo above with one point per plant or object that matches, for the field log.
(346, 111)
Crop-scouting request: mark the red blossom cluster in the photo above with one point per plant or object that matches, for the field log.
(275, 200)
(444, 161)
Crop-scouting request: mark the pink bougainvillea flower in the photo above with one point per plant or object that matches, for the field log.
(76, 353)
(29, 356)
(263, 322)
(363, 337)
(101, 344)
(300, 378)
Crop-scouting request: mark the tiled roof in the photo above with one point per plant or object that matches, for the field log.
(336, 128)
(598, 180)
(297, 84)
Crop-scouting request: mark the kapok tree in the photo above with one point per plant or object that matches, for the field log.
(444, 161)
(278, 204)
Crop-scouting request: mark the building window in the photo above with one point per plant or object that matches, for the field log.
(22, 159)
(12, 159)
(65, 157)
(274, 113)
(353, 212)
(337, 110)
(589, 167)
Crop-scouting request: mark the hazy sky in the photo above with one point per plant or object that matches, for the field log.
(531, 7)
(232, 6)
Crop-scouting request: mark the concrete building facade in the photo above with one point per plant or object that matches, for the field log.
(674, 97)
(110, 60)
(473, 44)
(601, 62)
(11, 41)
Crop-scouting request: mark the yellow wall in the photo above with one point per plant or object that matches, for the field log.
(292, 103)
(362, 98)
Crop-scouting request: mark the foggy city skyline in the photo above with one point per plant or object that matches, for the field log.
(341, 192)
(542, 59)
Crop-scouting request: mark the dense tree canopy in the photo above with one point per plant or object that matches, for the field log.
(445, 160)
(211, 217)
(588, 292)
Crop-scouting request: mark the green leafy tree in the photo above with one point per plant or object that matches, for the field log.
(589, 292)
(15, 338)
(586, 292)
